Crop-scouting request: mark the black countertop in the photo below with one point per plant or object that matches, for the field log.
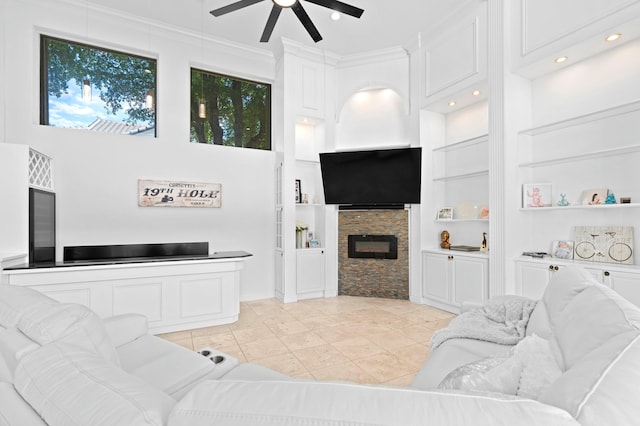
(127, 260)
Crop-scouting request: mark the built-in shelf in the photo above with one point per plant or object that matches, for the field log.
(462, 144)
(587, 207)
(461, 176)
(584, 156)
(438, 250)
(583, 119)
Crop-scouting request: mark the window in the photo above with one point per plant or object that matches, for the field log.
(230, 111)
(87, 87)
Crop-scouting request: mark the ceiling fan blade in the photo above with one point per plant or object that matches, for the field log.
(271, 23)
(233, 7)
(306, 21)
(338, 6)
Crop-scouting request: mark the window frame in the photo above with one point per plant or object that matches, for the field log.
(44, 75)
(268, 105)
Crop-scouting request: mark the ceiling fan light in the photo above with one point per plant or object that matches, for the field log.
(335, 16)
(285, 3)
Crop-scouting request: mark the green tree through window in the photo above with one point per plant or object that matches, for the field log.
(121, 88)
(230, 111)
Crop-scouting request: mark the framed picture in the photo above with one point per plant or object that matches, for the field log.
(536, 195)
(298, 191)
(592, 197)
(607, 244)
(562, 249)
(445, 213)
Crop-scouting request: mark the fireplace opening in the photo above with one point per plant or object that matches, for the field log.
(373, 246)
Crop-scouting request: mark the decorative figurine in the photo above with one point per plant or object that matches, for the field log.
(484, 247)
(444, 240)
(611, 199)
(563, 200)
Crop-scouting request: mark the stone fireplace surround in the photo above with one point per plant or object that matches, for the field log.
(387, 278)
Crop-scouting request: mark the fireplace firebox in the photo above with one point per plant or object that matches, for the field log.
(373, 246)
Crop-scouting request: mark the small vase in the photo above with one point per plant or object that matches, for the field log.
(299, 239)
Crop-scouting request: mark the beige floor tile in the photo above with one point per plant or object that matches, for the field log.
(391, 340)
(285, 326)
(320, 357)
(214, 340)
(304, 340)
(383, 367)
(285, 363)
(251, 334)
(344, 371)
(355, 339)
(263, 348)
(357, 347)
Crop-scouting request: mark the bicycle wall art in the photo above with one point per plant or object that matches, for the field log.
(605, 244)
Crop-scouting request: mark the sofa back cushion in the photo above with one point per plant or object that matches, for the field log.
(598, 333)
(69, 386)
(70, 323)
(592, 318)
(14, 300)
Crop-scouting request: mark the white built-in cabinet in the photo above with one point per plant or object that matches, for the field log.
(533, 276)
(310, 273)
(454, 131)
(300, 256)
(450, 279)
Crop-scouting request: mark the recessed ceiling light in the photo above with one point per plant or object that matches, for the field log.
(335, 16)
(613, 37)
(476, 93)
(452, 103)
(561, 59)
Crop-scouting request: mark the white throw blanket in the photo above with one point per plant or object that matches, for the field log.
(501, 320)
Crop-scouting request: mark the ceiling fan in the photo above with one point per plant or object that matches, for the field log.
(297, 8)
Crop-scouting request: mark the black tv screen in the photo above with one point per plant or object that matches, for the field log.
(372, 178)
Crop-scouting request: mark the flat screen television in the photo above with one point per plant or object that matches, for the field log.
(42, 226)
(373, 178)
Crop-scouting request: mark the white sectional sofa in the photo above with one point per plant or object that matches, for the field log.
(62, 365)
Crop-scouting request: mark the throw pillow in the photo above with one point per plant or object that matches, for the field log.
(525, 370)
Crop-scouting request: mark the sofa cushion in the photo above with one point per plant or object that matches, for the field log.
(593, 316)
(70, 386)
(15, 299)
(603, 387)
(14, 411)
(13, 346)
(563, 287)
(527, 370)
(71, 323)
(287, 403)
(451, 355)
(149, 357)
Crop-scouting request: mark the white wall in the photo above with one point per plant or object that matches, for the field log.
(96, 174)
(373, 118)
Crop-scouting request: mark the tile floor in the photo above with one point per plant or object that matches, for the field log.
(357, 339)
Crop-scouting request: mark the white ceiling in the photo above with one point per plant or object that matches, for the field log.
(383, 24)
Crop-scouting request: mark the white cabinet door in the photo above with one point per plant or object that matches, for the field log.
(627, 284)
(436, 273)
(310, 272)
(470, 279)
(532, 278)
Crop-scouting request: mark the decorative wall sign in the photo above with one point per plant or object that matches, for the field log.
(609, 244)
(167, 193)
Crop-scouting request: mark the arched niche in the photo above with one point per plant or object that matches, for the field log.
(372, 118)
